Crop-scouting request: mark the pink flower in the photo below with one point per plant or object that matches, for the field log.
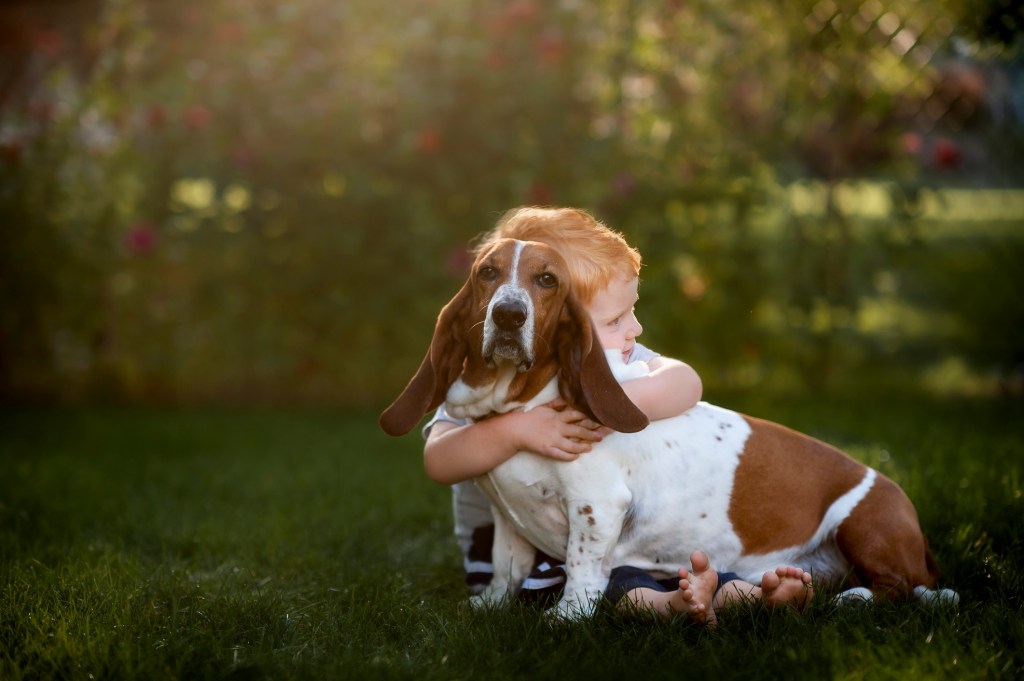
(911, 143)
(140, 239)
(197, 117)
(156, 116)
(458, 262)
(230, 33)
(623, 184)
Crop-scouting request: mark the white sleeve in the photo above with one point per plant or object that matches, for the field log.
(441, 415)
(641, 353)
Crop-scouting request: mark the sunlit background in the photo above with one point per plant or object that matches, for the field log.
(269, 201)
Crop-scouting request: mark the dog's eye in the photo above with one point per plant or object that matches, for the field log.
(488, 273)
(547, 280)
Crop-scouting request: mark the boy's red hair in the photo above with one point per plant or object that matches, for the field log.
(595, 253)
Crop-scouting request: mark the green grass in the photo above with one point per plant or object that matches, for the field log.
(305, 544)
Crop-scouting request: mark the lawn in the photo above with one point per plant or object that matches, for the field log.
(163, 543)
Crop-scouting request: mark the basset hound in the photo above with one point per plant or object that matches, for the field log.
(752, 494)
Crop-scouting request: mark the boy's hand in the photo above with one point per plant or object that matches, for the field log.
(559, 431)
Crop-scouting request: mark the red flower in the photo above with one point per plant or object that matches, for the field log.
(43, 111)
(429, 141)
(496, 59)
(946, 154)
(156, 116)
(540, 194)
(521, 10)
(458, 262)
(551, 47)
(230, 33)
(244, 156)
(48, 42)
(11, 150)
(197, 117)
(140, 239)
(516, 13)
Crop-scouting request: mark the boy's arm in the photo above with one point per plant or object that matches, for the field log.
(454, 453)
(671, 388)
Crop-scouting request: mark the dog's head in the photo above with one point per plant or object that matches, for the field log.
(516, 311)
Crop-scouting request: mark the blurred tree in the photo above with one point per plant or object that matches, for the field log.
(271, 200)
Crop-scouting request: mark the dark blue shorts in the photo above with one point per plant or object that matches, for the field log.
(626, 578)
(547, 579)
(544, 585)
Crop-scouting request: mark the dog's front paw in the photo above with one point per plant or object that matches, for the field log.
(488, 598)
(939, 598)
(572, 609)
(858, 595)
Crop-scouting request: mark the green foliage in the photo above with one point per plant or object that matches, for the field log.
(304, 544)
(270, 201)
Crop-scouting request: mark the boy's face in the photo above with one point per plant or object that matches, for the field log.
(612, 313)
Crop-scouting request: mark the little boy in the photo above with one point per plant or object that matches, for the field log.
(605, 278)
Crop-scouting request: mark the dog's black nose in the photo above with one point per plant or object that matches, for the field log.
(509, 316)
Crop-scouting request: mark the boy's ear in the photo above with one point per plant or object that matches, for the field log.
(585, 379)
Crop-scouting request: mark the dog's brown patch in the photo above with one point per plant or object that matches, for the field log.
(784, 484)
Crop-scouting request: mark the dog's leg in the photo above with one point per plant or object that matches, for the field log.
(513, 557)
(594, 528)
(882, 540)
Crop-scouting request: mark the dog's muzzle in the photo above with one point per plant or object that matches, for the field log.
(506, 335)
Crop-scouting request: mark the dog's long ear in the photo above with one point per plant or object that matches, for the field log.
(585, 379)
(440, 367)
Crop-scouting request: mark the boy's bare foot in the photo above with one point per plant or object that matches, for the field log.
(696, 589)
(787, 586)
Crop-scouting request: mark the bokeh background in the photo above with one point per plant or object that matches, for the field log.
(235, 201)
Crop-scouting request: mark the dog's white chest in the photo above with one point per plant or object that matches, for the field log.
(695, 453)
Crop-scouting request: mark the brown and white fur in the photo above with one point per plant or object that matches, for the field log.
(752, 494)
